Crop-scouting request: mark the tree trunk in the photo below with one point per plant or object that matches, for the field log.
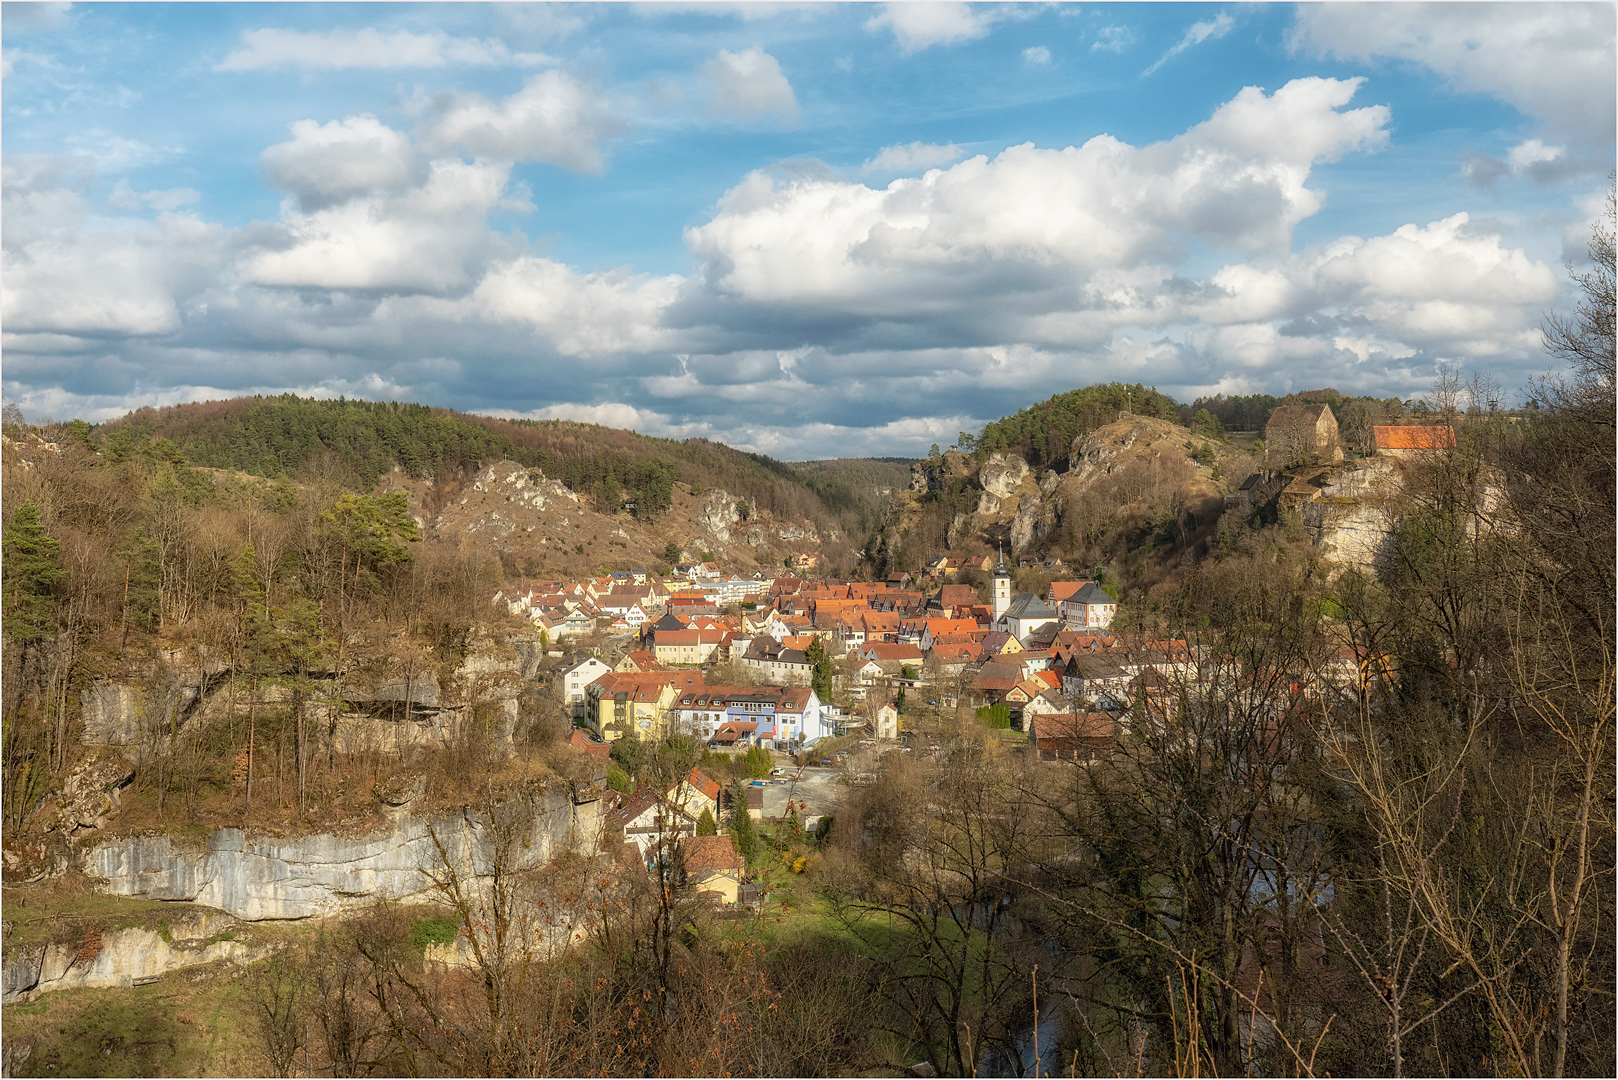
(252, 728)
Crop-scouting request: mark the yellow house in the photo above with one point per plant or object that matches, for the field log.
(640, 702)
(713, 865)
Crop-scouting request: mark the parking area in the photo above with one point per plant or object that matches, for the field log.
(817, 790)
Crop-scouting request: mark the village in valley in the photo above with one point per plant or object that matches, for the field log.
(828, 677)
(1096, 665)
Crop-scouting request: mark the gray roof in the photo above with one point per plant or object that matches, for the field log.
(1090, 666)
(1091, 594)
(1026, 606)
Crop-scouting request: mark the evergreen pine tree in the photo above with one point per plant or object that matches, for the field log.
(741, 825)
(33, 568)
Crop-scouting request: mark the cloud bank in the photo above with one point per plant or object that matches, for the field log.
(821, 317)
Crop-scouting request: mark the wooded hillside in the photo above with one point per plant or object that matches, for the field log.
(357, 442)
(1043, 434)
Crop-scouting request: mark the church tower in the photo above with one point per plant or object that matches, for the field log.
(1002, 589)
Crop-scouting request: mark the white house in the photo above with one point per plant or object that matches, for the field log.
(792, 714)
(574, 678)
(1090, 608)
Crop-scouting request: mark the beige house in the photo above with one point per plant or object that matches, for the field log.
(1299, 435)
(686, 646)
(619, 702)
(887, 722)
(713, 865)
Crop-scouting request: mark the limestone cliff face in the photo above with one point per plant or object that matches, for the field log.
(1002, 475)
(395, 702)
(1352, 518)
(254, 878)
(130, 956)
(1010, 504)
(1355, 513)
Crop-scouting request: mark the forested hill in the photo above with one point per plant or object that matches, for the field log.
(360, 441)
(1043, 434)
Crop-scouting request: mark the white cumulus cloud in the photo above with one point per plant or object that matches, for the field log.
(433, 238)
(337, 50)
(1556, 62)
(554, 118)
(922, 25)
(1236, 180)
(67, 273)
(323, 164)
(1036, 54)
(590, 314)
(750, 84)
(905, 157)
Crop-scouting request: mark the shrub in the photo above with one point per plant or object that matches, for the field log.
(440, 930)
(757, 761)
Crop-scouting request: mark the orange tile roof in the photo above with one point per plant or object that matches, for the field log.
(1413, 437)
(705, 784)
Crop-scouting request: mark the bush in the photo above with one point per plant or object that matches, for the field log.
(441, 930)
(758, 762)
(629, 752)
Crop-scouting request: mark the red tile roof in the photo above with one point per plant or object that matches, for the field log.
(580, 741)
(707, 853)
(1413, 437)
(703, 783)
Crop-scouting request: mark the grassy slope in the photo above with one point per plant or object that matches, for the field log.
(194, 1022)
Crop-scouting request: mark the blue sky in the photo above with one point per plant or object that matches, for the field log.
(807, 230)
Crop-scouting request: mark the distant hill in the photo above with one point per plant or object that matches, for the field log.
(1105, 475)
(360, 442)
(865, 485)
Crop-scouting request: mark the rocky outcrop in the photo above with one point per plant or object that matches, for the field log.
(393, 706)
(494, 501)
(129, 956)
(261, 877)
(1032, 522)
(718, 515)
(111, 714)
(92, 792)
(1353, 516)
(1002, 474)
(166, 691)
